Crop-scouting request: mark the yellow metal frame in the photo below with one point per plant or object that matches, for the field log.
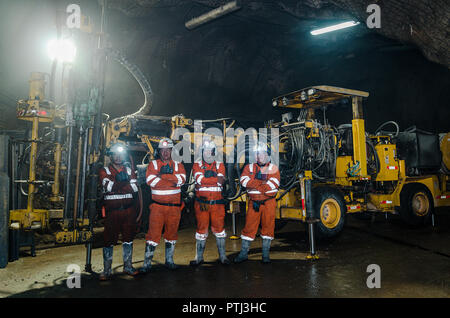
(323, 95)
(76, 236)
(359, 146)
(26, 217)
(55, 187)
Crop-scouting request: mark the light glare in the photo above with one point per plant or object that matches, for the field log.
(62, 50)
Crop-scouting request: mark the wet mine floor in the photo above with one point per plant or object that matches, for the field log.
(412, 262)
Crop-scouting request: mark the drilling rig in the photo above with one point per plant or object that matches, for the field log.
(354, 171)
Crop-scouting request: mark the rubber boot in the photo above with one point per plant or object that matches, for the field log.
(107, 263)
(200, 247)
(149, 252)
(221, 248)
(128, 259)
(265, 250)
(170, 249)
(243, 255)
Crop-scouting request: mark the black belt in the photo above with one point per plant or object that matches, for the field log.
(263, 201)
(257, 204)
(222, 201)
(167, 204)
(122, 207)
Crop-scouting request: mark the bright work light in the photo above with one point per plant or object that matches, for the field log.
(62, 50)
(334, 27)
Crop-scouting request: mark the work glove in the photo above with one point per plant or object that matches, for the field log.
(122, 177)
(210, 173)
(166, 169)
(221, 180)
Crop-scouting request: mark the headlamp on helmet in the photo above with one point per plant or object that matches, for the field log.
(118, 148)
(165, 143)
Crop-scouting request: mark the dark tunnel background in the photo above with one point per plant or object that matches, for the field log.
(234, 66)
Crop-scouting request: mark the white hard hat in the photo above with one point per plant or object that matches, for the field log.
(208, 145)
(261, 147)
(165, 143)
(118, 148)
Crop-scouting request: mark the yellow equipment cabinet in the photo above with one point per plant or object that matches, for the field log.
(389, 165)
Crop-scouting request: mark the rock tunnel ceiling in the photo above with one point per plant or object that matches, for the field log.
(422, 23)
(263, 50)
(235, 65)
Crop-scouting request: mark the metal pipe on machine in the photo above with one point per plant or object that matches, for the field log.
(96, 135)
(83, 173)
(67, 188)
(77, 181)
(4, 201)
(57, 157)
(213, 14)
(310, 217)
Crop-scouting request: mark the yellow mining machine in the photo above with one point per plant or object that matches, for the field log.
(354, 171)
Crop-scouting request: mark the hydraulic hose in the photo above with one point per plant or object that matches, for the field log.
(287, 190)
(387, 123)
(375, 155)
(140, 78)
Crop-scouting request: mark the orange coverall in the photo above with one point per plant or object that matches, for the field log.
(263, 192)
(119, 205)
(206, 190)
(165, 211)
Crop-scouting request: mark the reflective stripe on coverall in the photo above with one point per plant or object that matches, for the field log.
(209, 189)
(260, 190)
(120, 215)
(166, 189)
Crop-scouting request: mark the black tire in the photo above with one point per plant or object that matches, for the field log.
(330, 209)
(416, 204)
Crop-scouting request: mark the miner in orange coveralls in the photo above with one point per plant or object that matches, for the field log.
(209, 176)
(119, 187)
(262, 181)
(165, 178)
